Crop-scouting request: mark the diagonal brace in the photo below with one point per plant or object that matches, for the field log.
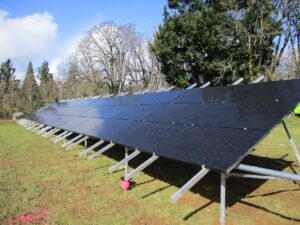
(85, 151)
(294, 147)
(141, 167)
(51, 132)
(71, 141)
(125, 160)
(189, 184)
(77, 142)
(44, 130)
(62, 137)
(98, 153)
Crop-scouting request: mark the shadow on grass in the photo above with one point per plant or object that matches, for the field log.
(176, 173)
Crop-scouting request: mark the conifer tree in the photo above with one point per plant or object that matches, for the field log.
(30, 96)
(48, 88)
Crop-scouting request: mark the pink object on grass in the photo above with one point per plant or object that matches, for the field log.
(125, 184)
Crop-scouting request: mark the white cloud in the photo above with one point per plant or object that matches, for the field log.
(59, 65)
(26, 38)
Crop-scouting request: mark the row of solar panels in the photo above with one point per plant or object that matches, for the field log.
(215, 127)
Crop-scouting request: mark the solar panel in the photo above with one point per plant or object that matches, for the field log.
(216, 126)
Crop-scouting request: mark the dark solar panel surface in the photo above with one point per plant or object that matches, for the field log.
(215, 126)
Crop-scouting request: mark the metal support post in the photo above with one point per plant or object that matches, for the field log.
(32, 126)
(98, 153)
(253, 176)
(85, 151)
(62, 137)
(269, 172)
(294, 147)
(205, 85)
(22, 121)
(169, 88)
(223, 200)
(259, 79)
(126, 164)
(25, 122)
(71, 141)
(195, 179)
(29, 124)
(44, 130)
(191, 86)
(37, 129)
(51, 132)
(125, 160)
(77, 142)
(141, 167)
(238, 81)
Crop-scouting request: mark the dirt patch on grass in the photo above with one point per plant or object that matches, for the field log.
(9, 164)
(193, 200)
(146, 219)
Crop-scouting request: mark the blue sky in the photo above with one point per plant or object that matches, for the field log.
(62, 22)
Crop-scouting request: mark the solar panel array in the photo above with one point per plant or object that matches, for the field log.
(215, 126)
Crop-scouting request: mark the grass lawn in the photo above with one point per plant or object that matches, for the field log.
(35, 173)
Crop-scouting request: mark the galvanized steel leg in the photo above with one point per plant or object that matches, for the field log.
(238, 81)
(223, 200)
(71, 141)
(269, 172)
(205, 85)
(62, 137)
(98, 153)
(118, 164)
(77, 142)
(126, 164)
(29, 124)
(141, 167)
(294, 147)
(35, 124)
(259, 79)
(195, 179)
(44, 130)
(37, 129)
(191, 86)
(50, 133)
(53, 129)
(85, 151)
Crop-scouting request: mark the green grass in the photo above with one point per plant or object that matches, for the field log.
(35, 173)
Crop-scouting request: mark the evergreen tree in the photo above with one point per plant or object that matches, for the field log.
(30, 96)
(8, 89)
(6, 74)
(216, 41)
(71, 83)
(48, 88)
(195, 42)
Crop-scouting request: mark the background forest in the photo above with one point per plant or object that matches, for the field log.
(198, 41)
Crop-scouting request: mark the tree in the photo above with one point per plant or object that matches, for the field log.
(6, 74)
(8, 89)
(196, 43)
(30, 98)
(219, 41)
(114, 57)
(72, 81)
(48, 88)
